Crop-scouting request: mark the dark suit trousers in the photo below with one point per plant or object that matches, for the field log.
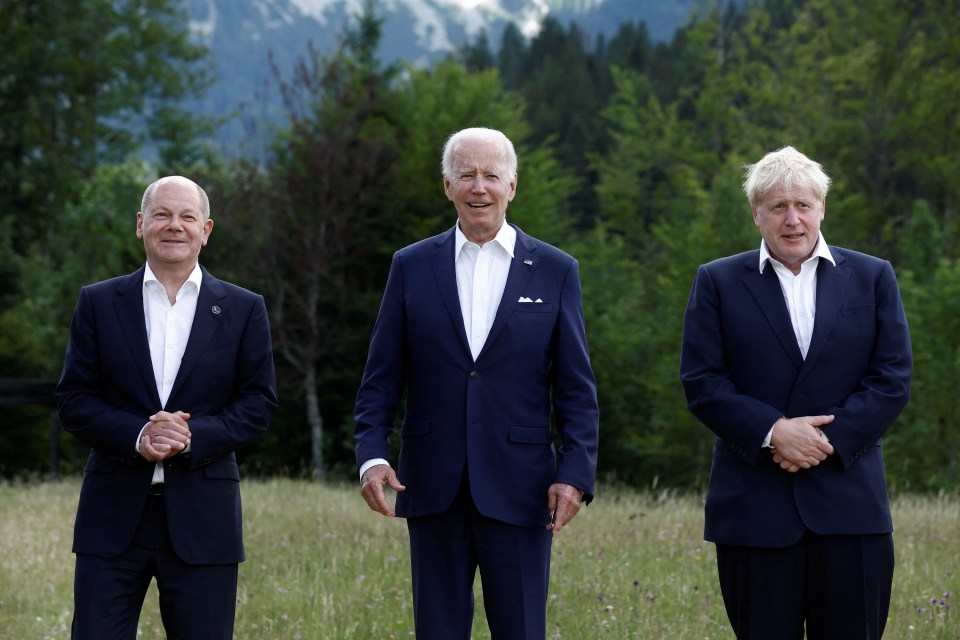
(197, 602)
(514, 563)
(838, 586)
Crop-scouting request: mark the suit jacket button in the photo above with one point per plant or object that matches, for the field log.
(474, 375)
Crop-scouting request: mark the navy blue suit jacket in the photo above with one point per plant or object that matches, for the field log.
(742, 370)
(107, 392)
(492, 415)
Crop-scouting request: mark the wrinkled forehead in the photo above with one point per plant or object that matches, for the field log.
(483, 157)
(792, 191)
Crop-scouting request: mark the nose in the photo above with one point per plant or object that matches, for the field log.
(479, 185)
(793, 216)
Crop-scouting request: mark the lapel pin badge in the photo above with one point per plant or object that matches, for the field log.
(215, 309)
(528, 262)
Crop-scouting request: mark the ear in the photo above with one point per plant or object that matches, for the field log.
(513, 188)
(140, 225)
(207, 228)
(756, 217)
(448, 188)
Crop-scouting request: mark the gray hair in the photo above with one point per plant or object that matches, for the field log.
(785, 168)
(478, 134)
(152, 189)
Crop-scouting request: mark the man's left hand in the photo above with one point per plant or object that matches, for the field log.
(166, 435)
(563, 500)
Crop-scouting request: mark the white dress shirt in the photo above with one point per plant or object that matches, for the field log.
(799, 291)
(481, 277)
(800, 294)
(168, 329)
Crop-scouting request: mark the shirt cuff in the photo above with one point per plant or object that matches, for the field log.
(766, 441)
(136, 446)
(371, 463)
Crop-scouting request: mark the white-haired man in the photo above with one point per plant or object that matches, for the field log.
(797, 356)
(481, 336)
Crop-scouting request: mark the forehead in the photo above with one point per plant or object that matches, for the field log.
(175, 195)
(479, 155)
(793, 193)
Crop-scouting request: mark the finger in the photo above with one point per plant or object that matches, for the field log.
(567, 506)
(552, 501)
(153, 451)
(171, 421)
(394, 482)
(380, 504)
(372, 492)
(819, 421)
(171, 439)
(563, 516)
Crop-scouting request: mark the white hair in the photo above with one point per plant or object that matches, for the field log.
(786, 168)
(478, 134)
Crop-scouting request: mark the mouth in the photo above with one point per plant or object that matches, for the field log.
(793, 236)
(478, 205)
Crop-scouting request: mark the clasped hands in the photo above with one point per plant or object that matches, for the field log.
(799, 443)
(166, 435)
(563, 500)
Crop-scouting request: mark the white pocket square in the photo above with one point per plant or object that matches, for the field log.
(524, 299)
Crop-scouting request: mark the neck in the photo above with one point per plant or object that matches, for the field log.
(480, 241)
(172, 278)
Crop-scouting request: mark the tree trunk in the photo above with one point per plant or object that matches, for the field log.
(315, 422)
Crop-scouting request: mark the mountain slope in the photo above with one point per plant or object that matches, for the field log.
(243, 34)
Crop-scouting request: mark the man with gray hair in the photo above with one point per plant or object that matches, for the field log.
(167, 373)
(797, 356)
(481, 337)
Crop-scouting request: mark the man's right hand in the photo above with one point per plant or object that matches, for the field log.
(166, 435)
(799, 443)
(371, 487)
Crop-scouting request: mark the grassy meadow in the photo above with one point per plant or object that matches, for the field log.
(320, 565)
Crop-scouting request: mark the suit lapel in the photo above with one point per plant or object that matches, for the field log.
(128, 305)
(766, 290)
(445, 271)
(522, 268)
(831, 287)
(212, 310)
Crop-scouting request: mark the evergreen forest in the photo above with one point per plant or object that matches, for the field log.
(632, 155)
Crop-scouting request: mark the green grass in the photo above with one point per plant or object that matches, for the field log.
(322, 566)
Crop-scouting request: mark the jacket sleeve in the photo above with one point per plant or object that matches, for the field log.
(575, 392)
(741, 420)
(383, 376)
(882, 392)
(82, 408)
